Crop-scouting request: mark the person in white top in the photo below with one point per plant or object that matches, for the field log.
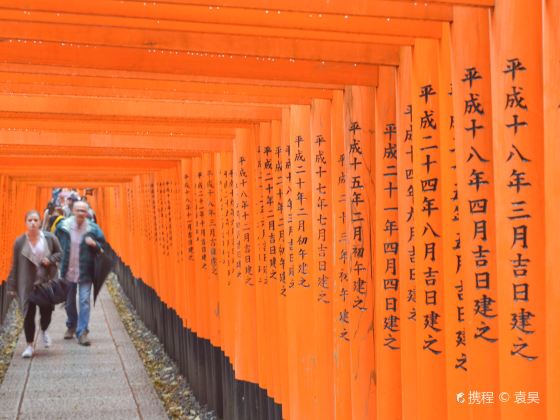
(35, 258)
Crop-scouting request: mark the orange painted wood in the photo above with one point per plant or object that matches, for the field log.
(246, 22)
(519, 171)
(262, 307)
(244, 302)
(205, 43)
(197, 155)
(161, 61)
(551, 95)
(341, 268)
(405, 8)
(426, 128)
(453, 287)
(299, 292)
(387, 312)
(322, 281)
(358, 142)
(90, 106)
(407, 249)
(472, 86)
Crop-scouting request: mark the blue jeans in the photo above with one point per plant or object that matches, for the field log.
(75, 321)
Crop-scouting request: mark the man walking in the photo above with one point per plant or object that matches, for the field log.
(80, 240)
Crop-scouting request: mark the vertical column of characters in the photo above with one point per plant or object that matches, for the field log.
(200, 248)
(221, 181)
(244, 165)
(211, 197)
(149, 215)
(209, 190)
(287, 259)
(320, 205)
(428, 230)
(160, 245)
(232, 289)
(145, 250)
(178, 243)
(201, 215)
(204, 288)
(175, 227)
(359, 124)
(386, 270)
(341, 268)
(171, 236)
(188, 209)
(551, 74)
(153, 212)
(453, 287)
(280, 140)
(261, 280)
(301, 290)
(147, 229)
(517, 93)
(160, 229)
(405, 198)
(269, 250)
(240, 198)
(220, 240)
(479, 314)
(285, 202)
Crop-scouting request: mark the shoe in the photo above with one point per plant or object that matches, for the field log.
(83, 339)
(45, 339)
(69, 333)
(28, 352)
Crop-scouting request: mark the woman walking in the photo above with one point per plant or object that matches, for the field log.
(36, 254)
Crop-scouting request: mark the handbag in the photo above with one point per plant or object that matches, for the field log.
(51, 292)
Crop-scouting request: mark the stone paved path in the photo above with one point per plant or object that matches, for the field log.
(69, 381)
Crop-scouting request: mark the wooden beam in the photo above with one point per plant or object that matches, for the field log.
(160, 61)
(119, 127)
(108, 93)
(373, 8)
(230, 44)
(230, 21)
(11, 82)
(116, 83)
(73, 181)
(184, 126)
(153, 78)
(108, 141)
(47, 150)
(473, 3)
(136, 108)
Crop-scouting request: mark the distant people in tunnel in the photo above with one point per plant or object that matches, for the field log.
(69, 204)
(80, 239)
(35, 257)
(56, 217)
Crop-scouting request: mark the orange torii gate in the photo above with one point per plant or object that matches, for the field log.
(325, 210)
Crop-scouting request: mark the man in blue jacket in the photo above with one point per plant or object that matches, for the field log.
(80, 240)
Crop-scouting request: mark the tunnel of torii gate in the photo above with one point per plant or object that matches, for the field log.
(325, 209)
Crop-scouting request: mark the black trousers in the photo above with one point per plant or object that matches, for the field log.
(29, 321)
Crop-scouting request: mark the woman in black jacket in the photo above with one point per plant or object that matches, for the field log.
(36, 254)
